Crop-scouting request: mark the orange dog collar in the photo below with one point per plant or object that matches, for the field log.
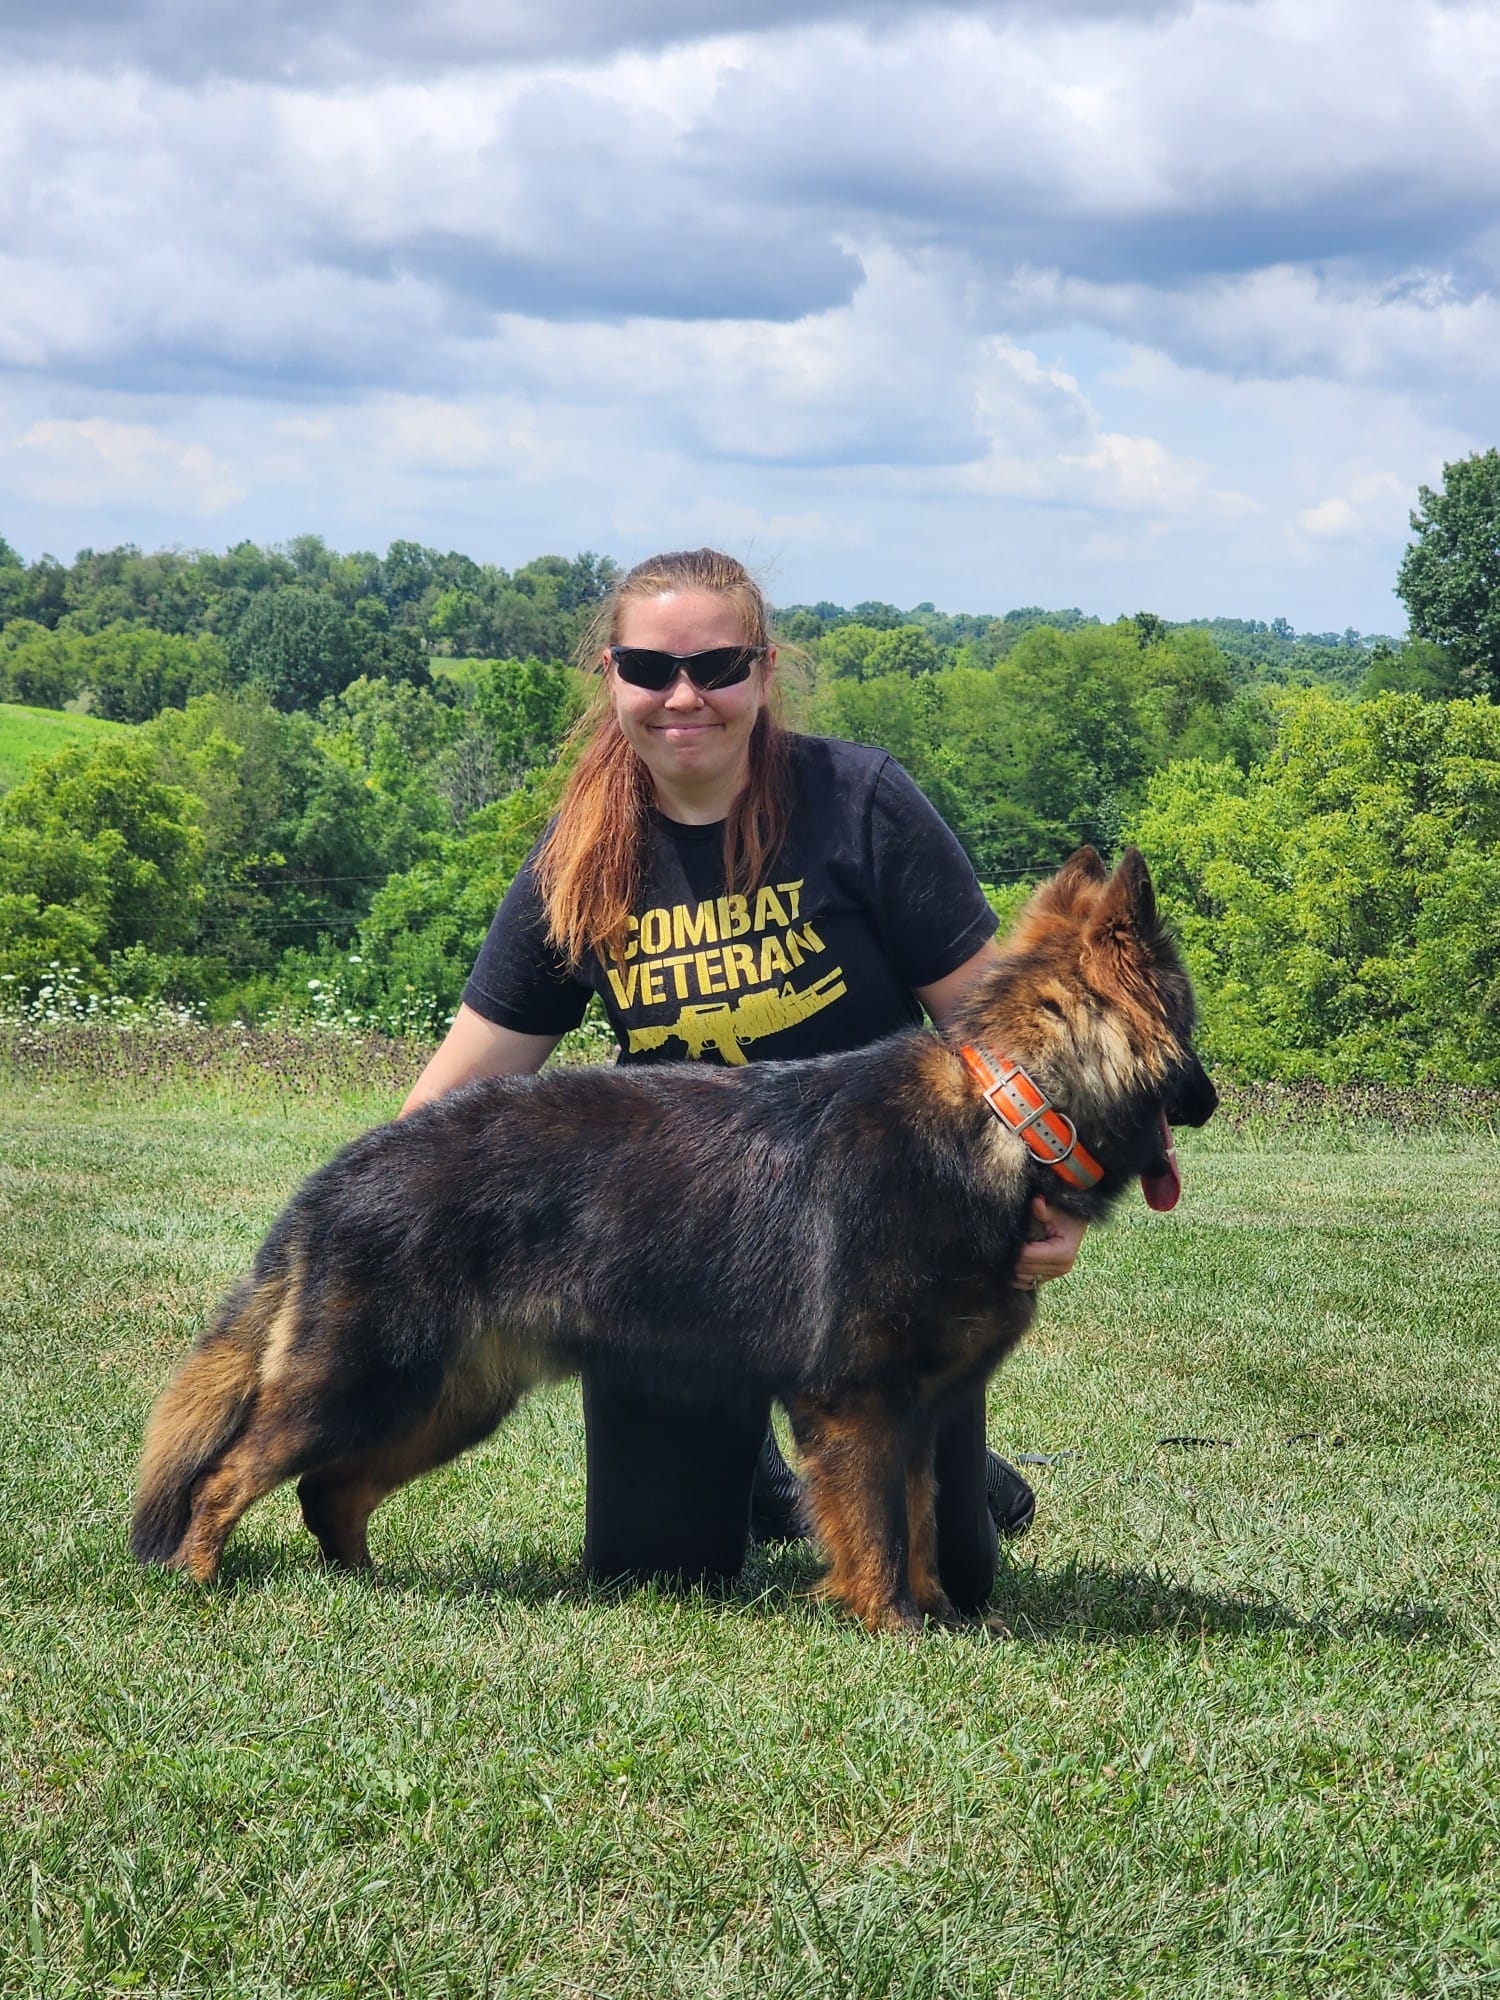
(1019, 1102)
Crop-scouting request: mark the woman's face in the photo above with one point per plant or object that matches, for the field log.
(695, 745)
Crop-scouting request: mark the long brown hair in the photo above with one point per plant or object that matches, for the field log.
(591, 865)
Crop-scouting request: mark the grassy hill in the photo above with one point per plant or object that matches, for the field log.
(27, 734)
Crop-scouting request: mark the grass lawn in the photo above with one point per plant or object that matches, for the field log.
(30, 733)
(1233, 1730)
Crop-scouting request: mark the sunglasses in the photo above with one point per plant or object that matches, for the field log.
(719, 667)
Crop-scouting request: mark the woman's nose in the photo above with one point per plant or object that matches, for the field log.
(682, 693)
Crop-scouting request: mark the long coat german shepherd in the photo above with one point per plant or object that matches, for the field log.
(841, 1232)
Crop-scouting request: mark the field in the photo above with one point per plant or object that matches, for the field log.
(28, 733)
(1234, 1728)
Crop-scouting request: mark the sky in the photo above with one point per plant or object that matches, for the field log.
(1103, 303)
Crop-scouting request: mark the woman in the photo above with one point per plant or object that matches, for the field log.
(733, 893)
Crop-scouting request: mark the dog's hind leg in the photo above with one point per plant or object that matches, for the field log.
(338, 1499)
(274, 1445)
(854, 1458)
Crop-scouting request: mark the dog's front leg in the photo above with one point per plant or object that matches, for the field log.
(921, 1515)
(854, 1456)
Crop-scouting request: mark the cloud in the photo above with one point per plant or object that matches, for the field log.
(336, 40)
(86, 462)
(1168, 176)
(1209, 142)
(1157, 284)
(1358, 512)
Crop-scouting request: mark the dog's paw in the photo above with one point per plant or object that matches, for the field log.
(939, 1610)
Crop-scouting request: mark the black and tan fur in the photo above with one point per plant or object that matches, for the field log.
(841, 1233)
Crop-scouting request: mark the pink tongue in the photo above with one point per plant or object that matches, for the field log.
(1163, 1191)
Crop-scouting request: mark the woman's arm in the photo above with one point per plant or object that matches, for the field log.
(474, 1047)
(940, 1000)
(1053, 1253)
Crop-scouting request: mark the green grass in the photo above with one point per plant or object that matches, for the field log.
(1233, 1730)
(27, 734)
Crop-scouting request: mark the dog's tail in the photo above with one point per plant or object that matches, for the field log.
(198, 1416)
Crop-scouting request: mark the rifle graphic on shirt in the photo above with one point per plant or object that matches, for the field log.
(717, 1024)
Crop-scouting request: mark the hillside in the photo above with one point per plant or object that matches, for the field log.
(27, 733)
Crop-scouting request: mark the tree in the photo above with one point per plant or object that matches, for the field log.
(295, 839)
(38, 668)
(521, 711)
(1449, 579)
(96, 854)
(133, 672)
(419, 940)
(294, 644)
(1418, 667)
(1336, 903)
(844, 654)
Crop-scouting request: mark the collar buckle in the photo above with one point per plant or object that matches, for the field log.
(1023, 1107)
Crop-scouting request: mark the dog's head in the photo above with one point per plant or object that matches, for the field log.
(1091, 997)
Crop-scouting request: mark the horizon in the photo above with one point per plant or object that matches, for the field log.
(919, 605)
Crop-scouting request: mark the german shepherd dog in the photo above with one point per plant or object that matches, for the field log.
(841, 1232)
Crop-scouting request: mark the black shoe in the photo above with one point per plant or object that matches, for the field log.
(776, 1498)
(1011, 1502)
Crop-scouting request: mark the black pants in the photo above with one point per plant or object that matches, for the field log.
(669, 1490)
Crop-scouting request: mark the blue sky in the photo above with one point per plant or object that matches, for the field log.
(1118, 305)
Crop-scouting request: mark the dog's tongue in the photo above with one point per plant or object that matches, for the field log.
(1163, 1191)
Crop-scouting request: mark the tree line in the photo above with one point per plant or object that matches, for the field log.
(334, 765)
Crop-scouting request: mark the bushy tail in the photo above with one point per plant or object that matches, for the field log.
(197, 1416)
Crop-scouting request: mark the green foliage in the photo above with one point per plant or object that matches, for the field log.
(345, 819)
(132, 672)
(295, 841)
(96, 854)
(425, 926)
(1416, 667)
(1052, 745)
(334, 835)
(1449, 579)
(392, 738)
(1337, 902)
(865, 652)
(1274, 655)
(974, 639)
(540, 612)
(294, 645)
(38, 668)
(520, 711)
(127, 672)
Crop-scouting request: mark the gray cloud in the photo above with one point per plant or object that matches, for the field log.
(310, 41)
(758, 275)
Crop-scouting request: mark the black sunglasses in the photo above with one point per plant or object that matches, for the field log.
(719, 667)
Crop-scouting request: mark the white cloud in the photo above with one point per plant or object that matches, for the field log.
(94, 460)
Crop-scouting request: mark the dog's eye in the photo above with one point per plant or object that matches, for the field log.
(1051, 1007)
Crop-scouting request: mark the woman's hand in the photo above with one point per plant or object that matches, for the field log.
(1050, 1254)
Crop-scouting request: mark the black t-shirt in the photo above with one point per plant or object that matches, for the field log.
(870, 896)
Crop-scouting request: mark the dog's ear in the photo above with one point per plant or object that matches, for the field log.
(1082, 870)
(1128, 901)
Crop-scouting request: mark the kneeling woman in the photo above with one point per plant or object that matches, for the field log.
(733, 892)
